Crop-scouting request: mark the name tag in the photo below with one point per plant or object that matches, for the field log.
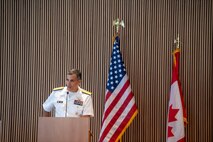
(78, 102)
(60, 102)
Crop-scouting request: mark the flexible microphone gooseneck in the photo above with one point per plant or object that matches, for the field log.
(66, 104)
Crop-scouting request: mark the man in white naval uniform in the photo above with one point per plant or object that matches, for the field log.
(70, 101)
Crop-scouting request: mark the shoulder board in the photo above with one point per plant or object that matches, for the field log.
(58, 88)
(85, 91)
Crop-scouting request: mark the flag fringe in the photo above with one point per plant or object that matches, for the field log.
(134, 115)
(185, 121)
(174, 52)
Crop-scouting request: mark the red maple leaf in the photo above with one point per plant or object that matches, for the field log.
(170, 134)
(172, 114)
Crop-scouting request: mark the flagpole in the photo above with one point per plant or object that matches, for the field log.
(177, 42)
(117, 114)
(176, 110)
(118, 23)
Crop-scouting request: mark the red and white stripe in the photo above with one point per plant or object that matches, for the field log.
(120, 109)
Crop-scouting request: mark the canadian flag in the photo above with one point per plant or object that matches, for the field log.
(176, 111)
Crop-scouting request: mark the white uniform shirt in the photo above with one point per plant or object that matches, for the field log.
(69, 104)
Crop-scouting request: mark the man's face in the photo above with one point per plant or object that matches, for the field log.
(72, 82)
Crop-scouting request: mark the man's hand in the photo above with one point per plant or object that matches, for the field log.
(46, 114)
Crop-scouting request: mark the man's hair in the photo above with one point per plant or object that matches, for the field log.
(75, 71)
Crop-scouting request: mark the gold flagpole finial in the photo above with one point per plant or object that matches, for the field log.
(177, 42)
(117, 23)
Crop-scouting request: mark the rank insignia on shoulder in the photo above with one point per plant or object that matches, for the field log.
(78, 102)
(58, 88)
(60, 102)
(85, 91)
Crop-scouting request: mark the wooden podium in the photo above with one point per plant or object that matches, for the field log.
(56, 129)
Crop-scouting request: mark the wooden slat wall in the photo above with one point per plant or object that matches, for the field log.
(40, 40)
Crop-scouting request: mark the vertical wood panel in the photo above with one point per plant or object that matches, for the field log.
(41, 40)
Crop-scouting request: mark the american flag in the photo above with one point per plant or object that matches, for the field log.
(120, 108)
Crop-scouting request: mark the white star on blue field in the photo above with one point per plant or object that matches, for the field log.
(117, 69)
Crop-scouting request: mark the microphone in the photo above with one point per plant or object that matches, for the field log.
(66, 103)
